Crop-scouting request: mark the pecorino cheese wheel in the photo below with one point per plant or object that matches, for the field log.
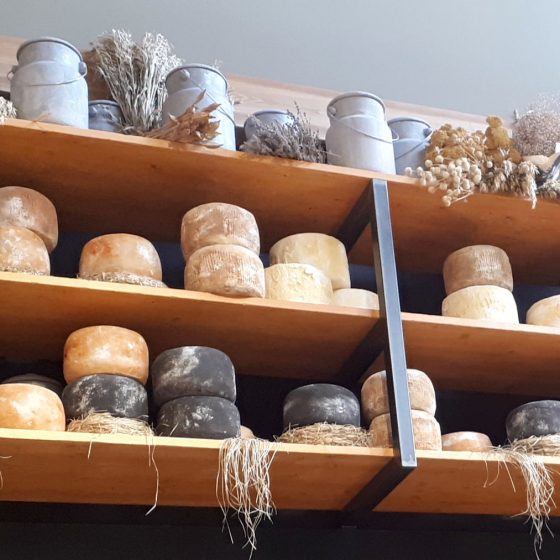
(375, 398)
(38, 380)
(489, 303)
(29, 407)
(297, 282)
(199, 417)
(23, 207)
(191, 371)
(354, 297)
(23, 251)
(537, 418)
(119, 396)
(120, 254)
(321, 402)
(218, 223)
(317, 249)
(225, 270)
(545, 312)
(426, 429)
(466, 441)
(246, 433)
(105, 349)
(477, 265)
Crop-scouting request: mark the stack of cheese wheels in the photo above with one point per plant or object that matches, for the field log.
(121, 257)
(194, 389)
(28, 231)
(375, 408)
(478, 281)
(221, 246)
(545, 312)
(106, 368)
(534, 419)
(466, 441)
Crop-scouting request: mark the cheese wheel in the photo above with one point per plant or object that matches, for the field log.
(120, 253)
(225, 270)
(23, 251)
(218, 223)
(482, 302)
(545, 312)
(105, 349)
(426, 429)
(29, 407)
(477, 265)
(191, 371)
(199, 417)
(322, 251)
(23, 207)
(537, 418)
(375, 399)
(38, 380)
(354, 297)
(298, 282)
(466, 441)
(246, 433)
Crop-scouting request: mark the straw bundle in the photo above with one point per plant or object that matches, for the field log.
(7, 110)
(327, 434)
(104, 423)
(124, 278)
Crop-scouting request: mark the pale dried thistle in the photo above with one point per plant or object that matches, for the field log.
(7, 110)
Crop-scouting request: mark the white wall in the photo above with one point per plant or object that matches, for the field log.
(479, 56)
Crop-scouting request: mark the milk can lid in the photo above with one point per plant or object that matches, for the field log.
(357, 94)
(48, 40)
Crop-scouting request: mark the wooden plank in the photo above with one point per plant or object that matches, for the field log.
(262, 337)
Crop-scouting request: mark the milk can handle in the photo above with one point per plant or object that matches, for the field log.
(82, 69)
(11, 73)
(331, 112)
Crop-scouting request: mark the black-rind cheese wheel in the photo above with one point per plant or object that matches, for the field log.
(191, 371)
(199, 417)
(537, 418)
(118, 395)
(321, 402)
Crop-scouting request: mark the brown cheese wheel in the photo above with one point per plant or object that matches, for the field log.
(247, 433)
(466, 441)
(30, 407)
(375, 399)
(297, 282)
(545, 312)
(23, 251)
(477, 265)
(23, 207)
(427, 432)
(105, 349)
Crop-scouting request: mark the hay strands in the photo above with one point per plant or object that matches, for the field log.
(323, 433)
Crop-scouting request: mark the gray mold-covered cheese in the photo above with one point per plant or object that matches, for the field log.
(537, 418)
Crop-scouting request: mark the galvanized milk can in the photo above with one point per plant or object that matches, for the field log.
(358, 135)
(48, 83)
(413, 139)
(266, 117)
(105, 115)
(185, 83)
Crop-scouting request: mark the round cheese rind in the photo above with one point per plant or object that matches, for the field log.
(225, 270)
(246, 433)
(29, 407)
(375, 398)
(23, 207)
(426, 429)
(105, 349)
(537, 418)
(297, 282)
(466, 441)
(355, 297)
(39, 380)
(317, 249)
(545, 312)
(120, 253)
(482, 302)
(218, 223)
(21, 250)
(477, 265)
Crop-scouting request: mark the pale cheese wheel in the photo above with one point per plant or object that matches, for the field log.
(375, 398)
(545, 312)
(477, 265)
(23, 207)
(297, 282)
(246, 433)
(105, 349)
(30, 407)
(322, 251)
(21, 250)
(426, 429)
(466, 441)
(218, 223)
(225, 270)
(120, 253)
(355, 297)
(489, 303)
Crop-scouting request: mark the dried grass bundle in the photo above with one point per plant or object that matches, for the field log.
(243, 484)
(327, 434)
(124, 278)
(7, 110)
(104, 423)
(135, 74)
(22, 270)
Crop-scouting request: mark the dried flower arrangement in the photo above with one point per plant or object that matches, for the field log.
(292, 140)
(7, 110)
